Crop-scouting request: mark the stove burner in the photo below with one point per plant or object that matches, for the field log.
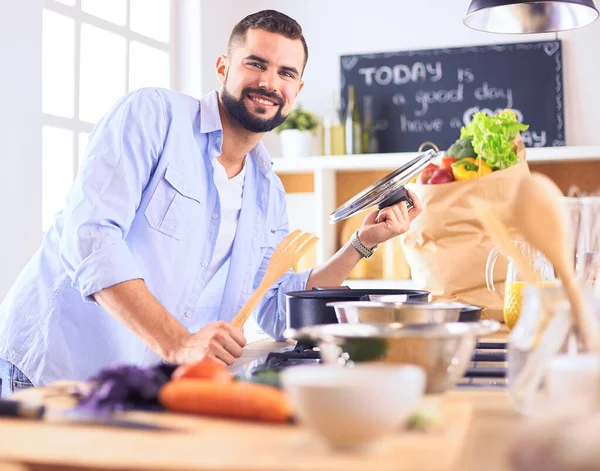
(487, 367)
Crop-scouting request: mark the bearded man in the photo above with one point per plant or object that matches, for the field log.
(170, 225)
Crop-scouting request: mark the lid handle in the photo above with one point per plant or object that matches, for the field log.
(396, 197)
(330, 288)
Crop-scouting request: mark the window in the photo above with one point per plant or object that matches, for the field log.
(94, 52)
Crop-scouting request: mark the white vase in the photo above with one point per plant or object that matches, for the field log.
(295, 143)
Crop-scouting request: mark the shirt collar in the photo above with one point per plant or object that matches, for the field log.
(210, 122)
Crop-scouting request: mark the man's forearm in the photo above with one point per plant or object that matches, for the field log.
(335, 270)
(133, 305)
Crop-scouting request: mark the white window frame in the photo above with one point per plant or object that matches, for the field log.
(75, 124)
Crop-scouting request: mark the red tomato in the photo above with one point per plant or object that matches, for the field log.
(447, 163)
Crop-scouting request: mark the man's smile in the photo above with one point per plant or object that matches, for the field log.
(262, 100)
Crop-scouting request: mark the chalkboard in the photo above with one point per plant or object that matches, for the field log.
(428, 95)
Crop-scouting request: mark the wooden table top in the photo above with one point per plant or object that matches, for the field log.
(486, 446)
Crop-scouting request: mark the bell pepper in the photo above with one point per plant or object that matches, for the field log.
(470, 168)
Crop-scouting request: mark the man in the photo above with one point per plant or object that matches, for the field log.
(170, 224)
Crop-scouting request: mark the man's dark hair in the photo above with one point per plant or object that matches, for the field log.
(268, 20)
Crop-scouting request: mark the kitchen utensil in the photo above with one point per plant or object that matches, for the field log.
(537, 215)
(24, 410)
(583, 218)
(442, 350)
(571, 209)
(387, 191)
(588, 248)
(356, 312)
(286, 254)
(468, 312)
(309, 307)
(501, 237)
(528, 378)
(353, 408)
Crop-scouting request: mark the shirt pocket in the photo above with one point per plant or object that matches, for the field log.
(174, 205)
(267, 244)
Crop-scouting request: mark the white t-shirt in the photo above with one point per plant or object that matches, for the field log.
(230, 194)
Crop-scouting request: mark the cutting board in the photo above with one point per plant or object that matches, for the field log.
(221, 444)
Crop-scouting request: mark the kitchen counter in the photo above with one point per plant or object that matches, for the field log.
(493, 424)
(485, 446)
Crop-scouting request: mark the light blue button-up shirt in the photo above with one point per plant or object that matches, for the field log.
(142, 206)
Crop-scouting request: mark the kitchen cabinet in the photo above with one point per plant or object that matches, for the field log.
(334, 179)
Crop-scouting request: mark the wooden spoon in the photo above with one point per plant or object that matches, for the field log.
(501, 237)
(536, 212)
(551, 333)
(286, 254)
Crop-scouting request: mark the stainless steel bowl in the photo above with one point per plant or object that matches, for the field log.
(442, 350)
(354, 312)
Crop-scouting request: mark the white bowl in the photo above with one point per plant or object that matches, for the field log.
(354, 407)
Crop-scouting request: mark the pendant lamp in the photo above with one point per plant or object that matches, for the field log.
(525, 17)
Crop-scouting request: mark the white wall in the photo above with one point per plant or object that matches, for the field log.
(20, 135)
(332, 28)
(336, 27)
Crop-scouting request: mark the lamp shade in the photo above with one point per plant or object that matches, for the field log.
(525, 17)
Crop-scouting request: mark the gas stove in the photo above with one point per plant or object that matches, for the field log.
(487, 369)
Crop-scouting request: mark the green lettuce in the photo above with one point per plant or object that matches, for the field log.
(493, 137)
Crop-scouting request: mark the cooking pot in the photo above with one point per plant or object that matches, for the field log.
(468, 312)
(308, 308)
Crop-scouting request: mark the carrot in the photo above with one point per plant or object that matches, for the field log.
(203, 369)
(239, 400)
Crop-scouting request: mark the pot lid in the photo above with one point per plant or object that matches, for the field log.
(387, 191)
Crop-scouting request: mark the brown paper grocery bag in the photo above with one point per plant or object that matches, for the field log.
(447, 247)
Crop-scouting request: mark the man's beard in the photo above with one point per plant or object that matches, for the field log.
(239, 112)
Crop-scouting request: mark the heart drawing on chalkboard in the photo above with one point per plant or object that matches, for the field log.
(550, 48)
(349, 62)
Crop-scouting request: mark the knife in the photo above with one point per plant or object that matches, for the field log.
(24, 410)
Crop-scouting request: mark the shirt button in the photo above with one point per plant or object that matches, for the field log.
(218, 140)
(204, 263)
(187, 314)
(215, 215)
(185, 187)
(91, 157)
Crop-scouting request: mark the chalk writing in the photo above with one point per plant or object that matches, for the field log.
(419, 125)
(401, 74)
(485, 92)
(429, 95)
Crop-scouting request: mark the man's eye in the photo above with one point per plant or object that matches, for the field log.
(257, 64)
(288, 74)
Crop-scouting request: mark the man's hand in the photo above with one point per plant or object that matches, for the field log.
(392, 221)
(218, 341)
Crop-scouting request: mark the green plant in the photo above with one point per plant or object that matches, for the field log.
(299, 119)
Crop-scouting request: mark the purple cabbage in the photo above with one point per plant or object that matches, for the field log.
(125, 387)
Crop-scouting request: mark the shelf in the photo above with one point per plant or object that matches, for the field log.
(561, 154)
(391, 161)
